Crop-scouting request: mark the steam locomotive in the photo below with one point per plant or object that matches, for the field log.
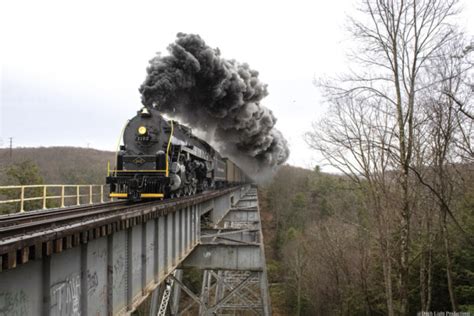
(161, 158)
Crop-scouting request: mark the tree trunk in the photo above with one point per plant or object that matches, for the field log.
(444, 230)
(364, 277)
(387, 273)
(404, 240)
(426, 266)
(430, 268)
(298, 297)
(423, 291)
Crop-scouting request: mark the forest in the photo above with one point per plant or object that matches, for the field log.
(391, 233)
(331, 252)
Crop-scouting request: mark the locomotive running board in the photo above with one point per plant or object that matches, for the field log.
(142, 195)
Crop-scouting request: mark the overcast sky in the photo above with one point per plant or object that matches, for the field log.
(71, 70)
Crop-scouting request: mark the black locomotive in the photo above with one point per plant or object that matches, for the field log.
(161, 158)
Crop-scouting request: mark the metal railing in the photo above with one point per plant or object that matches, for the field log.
(65, 194)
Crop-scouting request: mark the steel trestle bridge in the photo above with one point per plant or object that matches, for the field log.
(108, 258)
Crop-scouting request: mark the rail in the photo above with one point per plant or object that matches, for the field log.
(65, 194)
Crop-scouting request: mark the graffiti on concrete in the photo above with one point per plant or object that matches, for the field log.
(92, 282)
(65, 296)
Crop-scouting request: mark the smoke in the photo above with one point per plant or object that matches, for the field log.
(218, 96)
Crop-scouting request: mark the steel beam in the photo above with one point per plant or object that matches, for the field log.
(239, 236)
(225, 257)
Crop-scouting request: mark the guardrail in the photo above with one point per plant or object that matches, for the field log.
(65, 194)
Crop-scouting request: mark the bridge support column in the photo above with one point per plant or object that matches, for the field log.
(231, 258)
(154, 303)
(176, 293)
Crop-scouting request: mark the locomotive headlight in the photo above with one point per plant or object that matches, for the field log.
(142, 130)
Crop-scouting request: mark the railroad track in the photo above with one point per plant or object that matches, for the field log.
(25, 223)
(14, 225)
(38, 215)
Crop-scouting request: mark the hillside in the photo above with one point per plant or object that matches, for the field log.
(61, 165)
(322, 245)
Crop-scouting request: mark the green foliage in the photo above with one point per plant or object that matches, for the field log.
(292, 234)
(193, 279)
(274, 271)
(22, 173)
(279, 299)
(464, 277)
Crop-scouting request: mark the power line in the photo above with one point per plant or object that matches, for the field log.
(11, 148)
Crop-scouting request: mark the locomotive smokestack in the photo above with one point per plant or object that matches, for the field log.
(221, 97)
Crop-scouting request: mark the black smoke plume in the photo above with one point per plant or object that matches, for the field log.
(218, 96)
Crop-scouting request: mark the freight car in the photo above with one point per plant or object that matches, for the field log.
(161, 158)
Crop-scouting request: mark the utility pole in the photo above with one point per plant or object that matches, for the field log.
(11, 148)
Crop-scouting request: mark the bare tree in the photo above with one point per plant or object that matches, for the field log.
(444, 123)
(297, 261)
(397, 39)
(355, 138)
(461, 58)
(426, 233)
